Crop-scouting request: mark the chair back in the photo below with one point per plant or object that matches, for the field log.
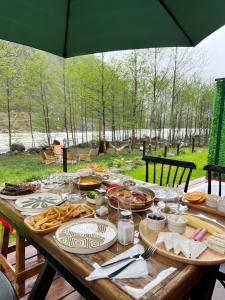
(44, 155)
(69, 155)
(57, 150)
(182, 170)
(214, 171)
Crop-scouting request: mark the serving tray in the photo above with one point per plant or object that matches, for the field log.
(206, 208)
(208, 257)
(27, 221)
(86, 236)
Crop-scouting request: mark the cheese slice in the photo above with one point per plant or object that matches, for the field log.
(196, 248)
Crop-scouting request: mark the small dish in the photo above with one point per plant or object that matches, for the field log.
(221, 204)
(211, 200)
(156, 221)
(176, 223)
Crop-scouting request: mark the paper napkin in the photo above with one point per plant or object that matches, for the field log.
(135, 270)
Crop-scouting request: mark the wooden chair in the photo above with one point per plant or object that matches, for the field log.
(58, 151)
(47, 159)
(70, 158)
(17, 273)
(85, 156)
(183, 170)
(216, 172)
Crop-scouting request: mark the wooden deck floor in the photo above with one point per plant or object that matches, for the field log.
(62, 290)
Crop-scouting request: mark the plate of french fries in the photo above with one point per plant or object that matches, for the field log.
(50, 219)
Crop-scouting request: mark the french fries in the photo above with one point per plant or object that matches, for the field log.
(56, 215)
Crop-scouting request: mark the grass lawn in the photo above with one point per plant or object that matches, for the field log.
(199, 158)
(27, 167)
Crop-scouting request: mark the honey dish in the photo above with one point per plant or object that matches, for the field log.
(88, 183)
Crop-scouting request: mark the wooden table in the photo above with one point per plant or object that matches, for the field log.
(74, 268)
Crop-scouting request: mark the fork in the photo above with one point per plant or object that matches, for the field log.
(144, 256)
(125, 258)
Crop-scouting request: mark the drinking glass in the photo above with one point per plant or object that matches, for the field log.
(74, 192)
(101, 205)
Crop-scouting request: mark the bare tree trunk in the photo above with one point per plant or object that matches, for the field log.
(9, 113)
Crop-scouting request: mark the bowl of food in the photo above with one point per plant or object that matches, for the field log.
(124, 197)
(91, 196)
(167, 211)
(177, 223)
(88, 183)
(156, 221)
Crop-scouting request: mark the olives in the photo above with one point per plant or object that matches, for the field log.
(156, 217)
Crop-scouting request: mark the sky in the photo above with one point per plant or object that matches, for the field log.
(214, 46)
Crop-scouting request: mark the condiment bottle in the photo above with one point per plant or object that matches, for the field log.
(125, 228)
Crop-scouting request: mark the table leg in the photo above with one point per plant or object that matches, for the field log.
(42, 283)
(204, 289)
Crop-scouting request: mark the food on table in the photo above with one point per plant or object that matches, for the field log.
(221, 205)
(88, 183)
(181, 244)
(168, 210)
(99, 169)
(92, 194)
(195, 197)
(199, 234)
(156, 221)
(129, 183)
(216, 242)
(177, 223)
(211, 200)
(11, 189)
(138, 198)
(197, 222)
(56, 215)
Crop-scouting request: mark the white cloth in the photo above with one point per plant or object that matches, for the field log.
(139, 292)
(135, 270)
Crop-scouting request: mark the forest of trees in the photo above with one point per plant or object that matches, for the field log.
(130, 94)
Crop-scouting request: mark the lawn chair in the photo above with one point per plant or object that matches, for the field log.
(47, 159)
(57, 151)
(70, 158)
(119, 149)
(85, 156)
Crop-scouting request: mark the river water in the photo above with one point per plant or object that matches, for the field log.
(40, 137)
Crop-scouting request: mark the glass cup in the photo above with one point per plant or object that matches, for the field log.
(101, 205)
(74, 194)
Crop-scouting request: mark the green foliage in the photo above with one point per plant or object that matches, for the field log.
(217, 137)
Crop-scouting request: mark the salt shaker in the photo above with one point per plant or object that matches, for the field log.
(125, 228)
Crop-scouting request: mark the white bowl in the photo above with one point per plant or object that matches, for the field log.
(156, 224)
(211, 200)
(176, 226)
(221, 205)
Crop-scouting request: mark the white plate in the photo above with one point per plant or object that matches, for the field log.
(7, 197)
(37, 202)
(164, 194)
(86, 236)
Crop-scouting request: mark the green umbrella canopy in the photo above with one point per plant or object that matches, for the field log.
(75, 27)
